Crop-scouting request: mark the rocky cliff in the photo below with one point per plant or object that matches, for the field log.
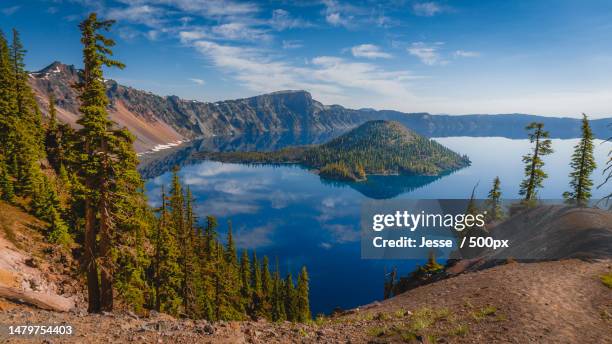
(157, 120)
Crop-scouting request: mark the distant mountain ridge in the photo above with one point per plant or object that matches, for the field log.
(156, 119)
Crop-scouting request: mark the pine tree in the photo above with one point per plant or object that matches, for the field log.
(210, 237)
(8, 106)
(166, 282)
(495, 211)
(191, 266)
(45, 205)
(245, 281)
(302, 297)
(608, 171)
(6, 184)
(57, 138)
(52, 124)
(256, 287)
(58, 230)
(266, 289)
(134, 254)
(278, 302)
(231, 255)
(107, 167)
(432, 264)
(207, 256)
(28, 148)
(390, 283)
(17, 59)
(534, 175)
(583, 164)
(183, 234)
(232, 277)
(289, 295)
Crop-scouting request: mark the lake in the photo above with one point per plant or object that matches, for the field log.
(290, 213)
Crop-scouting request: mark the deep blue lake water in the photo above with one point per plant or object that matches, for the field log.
(290, 213)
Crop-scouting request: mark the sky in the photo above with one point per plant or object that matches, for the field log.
(546, 57)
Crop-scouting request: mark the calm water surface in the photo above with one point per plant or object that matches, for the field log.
(290, 213)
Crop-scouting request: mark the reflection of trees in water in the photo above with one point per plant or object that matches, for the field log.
(155, 164)
(385, 187)
(376, 187)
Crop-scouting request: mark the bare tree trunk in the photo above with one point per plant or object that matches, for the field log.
(106, 272)
(44, 301)
(106, 237)
(93, 287)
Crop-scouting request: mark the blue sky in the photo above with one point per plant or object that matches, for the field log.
(550, 57)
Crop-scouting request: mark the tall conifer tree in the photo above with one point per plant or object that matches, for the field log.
(495, 211)
(291, 307)
(534, 174)
(245, 281)
(278, 302)
(607, 172)
(256, 286)
(7, 193)
(166, 282)
(112, 187)
(8, 105)
(302, 296)
(266, 288)
(583, 164)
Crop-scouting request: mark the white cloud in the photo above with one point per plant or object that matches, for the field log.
(7, 11)
(197, 81)
(337, 14)
(343, 233)
(427, 53)
(464, 53)
(188, 36)
(369, 51)
(239, 31)
(255, 238)
(335, 19)
(359, 14)
(329, 78)
(426, 9)
(230, 31)
(282, 20)
(292, 44)
(215, 169)
(141, 14)
(209, 8)
(152, 34)
(220, 207)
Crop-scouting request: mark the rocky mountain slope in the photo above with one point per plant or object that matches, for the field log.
(59, 79)
(156, 120)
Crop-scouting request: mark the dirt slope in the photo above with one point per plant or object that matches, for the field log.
(29, 264)
(550, 302)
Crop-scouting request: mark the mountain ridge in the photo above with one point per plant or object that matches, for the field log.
(158, 119)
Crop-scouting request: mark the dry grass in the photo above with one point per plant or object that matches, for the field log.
(607, 279)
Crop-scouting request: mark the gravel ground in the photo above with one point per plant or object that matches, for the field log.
(547, 302)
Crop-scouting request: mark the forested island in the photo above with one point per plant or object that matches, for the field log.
(374, 148)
